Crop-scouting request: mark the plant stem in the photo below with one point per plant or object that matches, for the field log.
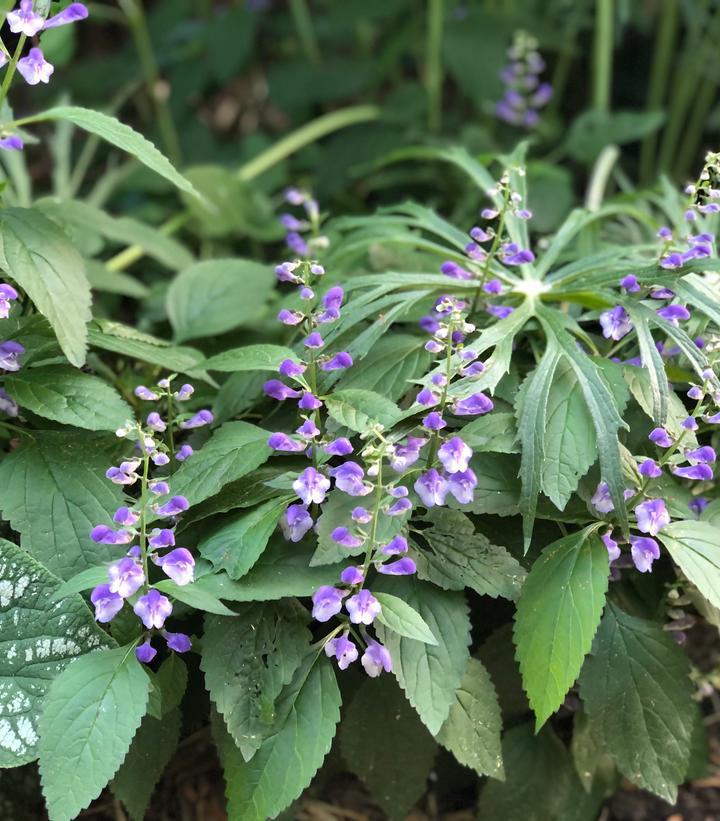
(599, 177)
(143, 506)
(434, 63)
(11, 69)
(602, 55)
(305, 31)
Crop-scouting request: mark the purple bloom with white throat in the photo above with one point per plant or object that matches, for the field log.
(700, 473)
(159, 459)
(349, 478)
(288, 317)
(178, 564)
(352, 575)
(660, 437)
(126, 577)
(343, 537)
(434, 421)
(72, 14)
(125, 473)
(338, 447)
(7, 295)
(309, 402)
(145, 652)
(9, 353)
(107, 604)
(602, 500)
(35, 68)
(308, 429)
(102, 534)
(363, 607)
(652, 516)
(611, 545)
(282, 442)
(8, 405)
(295, 523)
(198, 420)
(161, 538)
(403, 456)
(125, 516)
(24, 20)
(339, 362)
(376, 659)
(153, 608)
(512, 254)
(154, 422)
(178, 642)
(276, 389)
(474, 405)
(185, 392)
(291, 369)
(313, 341)
(704, 455)
(402, 567)
(673, 313)
(327, 602)
(361, 515)
(174, 507)
(615, 323)
(311, 486)
(399, 507)
(185, 452)
(145, 393)
(644, 551)
(158, 487)
(455, 455)
(462, 486)
(344, 651)
(395, 547)
(650, 469)
(432, 488)
(630, 284)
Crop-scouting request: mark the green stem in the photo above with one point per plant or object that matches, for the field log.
(143, 511)
(434, 62)
(170, 424)
(305, 31)
(497, 239)
(11, 69)
(602, 55)
(435, 439)
(372, 540)
(16, 428)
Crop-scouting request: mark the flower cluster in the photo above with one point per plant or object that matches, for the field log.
(29, 20)
(524, 94)
(308, 223)
(128, 578)
(10, 350)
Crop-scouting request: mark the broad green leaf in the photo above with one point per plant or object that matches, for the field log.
(247, 661)
(195, 596)
(430, 674)
(636, 689)
(589, 755)
(250, 358)
(359, 409)
(695, 548)
(55, 492)
(459, 557)
(83, 580)
(472, 729)
(557, 615)
(171, 682)
(119, 135)
(217, 295)
(68, 396)
(495, 432)
(38, 639)
(639, 380)
(150, 752)
(233, 451)
(91, 713)
(307, 712)
(592, 130)
(37, 254)
(114, 282)
(238, 544)
(379, 730)
(401, 618)
(498, 487)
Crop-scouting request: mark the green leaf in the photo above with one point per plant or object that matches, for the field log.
(234, 450)
(557, 615)
(119, 135)
(460, 557)
(695, 548)
(637, 691)
(40, 258)
(498, 488)
(359, 409)
(55, 492)
(238, 544)
(247, 661)
(592, 130)
(194, 596)
(430, 674)
(588, 751)
(38, 639)
(639, 380)
(114, 282)
(83, 580)
(472, 729)
(171, 682)
(150, 752)
(68, 396)
(215, 296)
(402, 619)
(378, 711)
(307, 712)
(653, 373)
(495, 432)
(91, 713)
(250, 358)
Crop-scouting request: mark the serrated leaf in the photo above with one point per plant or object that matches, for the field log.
(557, 616)
(249, 358)
(472, 729)
(215, 296)
(377, 711)
(91, 713)
(401, 618)
(194, 596)
(695, 548)
(308, 711)
(55, 492)
(41, 259)
(38, 639)
(247, 661)
(68, 396)
(639, 382)
(498, 488)
(495, 432)
(360, 409)
(636, 688)
(430, 674)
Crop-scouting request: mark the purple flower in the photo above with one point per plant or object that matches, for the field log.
(8, 405)
(462, 486)
(399, 507)
(363, 607)
(308, 429)
(126, 577)
(185, 392)
(493, 286)
(309, 402)
(291, 369)
(601, 499)
(125, 474)
(162, 538)
(314, 340)
(474, 405)
(342, 536)
(434, 421)
(454, 271)
(664, 233)
(145, 652)
(290, 317)
(7, 295)
(9, 353)
(376, 659)
(333, 298)
(429, 324)
(427, 397)
(673, 313)
(695, 392)
(125, 516)
(704, 454)
(296, 244)
(174, 507)
(512, 254)
(660, 437)
(402, 456)
(281, 441)
(672, 261)
(702, 473)
(499, 311)
(295, 523)
(402, 567)
(73, 13)
(155, 422)
(159, 459)
(107, 604)
(338, 447)
(652, 516)
(473, 369)
(24, 20)
(178, 564)
(349, 478)
(615, 323)
(311, 486)
(184, 453)
(11, 142)
(650, 469)
(327, 602)
(344, 651)
(714, 419)
(644, 551)
(285, 272)
(361, 515)
(178, 642)
(455, 455)
(276, 389)
(158, 487)
(698, 504)
(611, 545)
(432, 488)
(352, 575)
(339, 362)
(35, 68)
(199, 420)
(630, 284)
(395, 546)
(102, 534)
(153, 608)
(145, 393)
